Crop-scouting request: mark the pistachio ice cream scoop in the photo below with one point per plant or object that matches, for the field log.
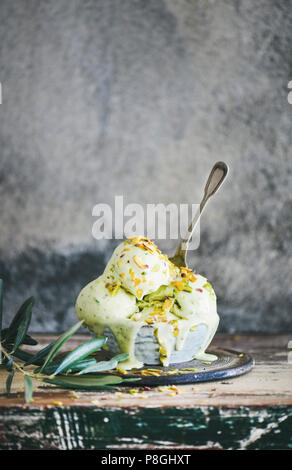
(149, 308)
(139, 267)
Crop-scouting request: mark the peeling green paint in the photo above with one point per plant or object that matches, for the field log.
(108, 428)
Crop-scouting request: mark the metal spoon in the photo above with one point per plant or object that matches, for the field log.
(216, 178)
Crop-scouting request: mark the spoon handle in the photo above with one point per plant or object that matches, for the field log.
(216, 178)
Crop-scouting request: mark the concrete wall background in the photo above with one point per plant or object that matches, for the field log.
(140, 98)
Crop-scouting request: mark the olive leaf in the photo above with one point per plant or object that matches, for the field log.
(18, 316)
(22, 316)
(59, 343)
(85, 383)
(26, 340)
(9, 364)
(80, 365)
(28, 389)
(9, 380)
(76, 361)
(23, 324)
(24, 355)
(104, 365)
(36, 358)
(79, 353)
(29, 340)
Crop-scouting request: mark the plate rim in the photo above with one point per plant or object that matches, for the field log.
(246, 363)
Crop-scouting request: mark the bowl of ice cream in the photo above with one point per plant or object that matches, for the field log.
(149, 308)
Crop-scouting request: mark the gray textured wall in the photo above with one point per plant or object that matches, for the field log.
(140, 98)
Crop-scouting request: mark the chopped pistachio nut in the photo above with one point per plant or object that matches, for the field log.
(175, 332)
(188, 288)
(139, 262)
(139, 293)
(179, 284)
(193, 328)
(162, 351)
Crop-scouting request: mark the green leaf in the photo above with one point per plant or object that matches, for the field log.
(9, 380)
(26, 340)
(59, 343)
(81, 364)
(29, 340)
(132, 379)
(1, 312)
(23, 325)
(18, 316)
(50, 369)
(85, 383)
(16, 321)
(104, 365)
(9, 363)
(29, 358)
(79, 353)
(36, 358)
(24, 356)
(28, 389)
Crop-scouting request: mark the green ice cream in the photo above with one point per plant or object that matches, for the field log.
(141, 287)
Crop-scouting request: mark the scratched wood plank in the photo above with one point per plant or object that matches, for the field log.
(250, 411)
(269, 383)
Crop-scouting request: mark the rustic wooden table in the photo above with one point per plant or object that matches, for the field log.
(253, 411)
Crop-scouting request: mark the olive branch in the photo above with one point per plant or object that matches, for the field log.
(77, 370)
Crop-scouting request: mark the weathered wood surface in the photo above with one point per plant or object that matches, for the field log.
(250, 411)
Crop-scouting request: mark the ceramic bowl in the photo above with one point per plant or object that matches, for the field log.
(147, 347)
